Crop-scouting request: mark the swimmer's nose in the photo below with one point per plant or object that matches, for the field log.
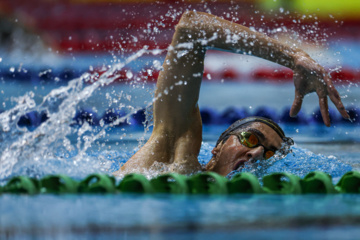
(256, 153)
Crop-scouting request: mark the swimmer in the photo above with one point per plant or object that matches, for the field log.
(177, 134)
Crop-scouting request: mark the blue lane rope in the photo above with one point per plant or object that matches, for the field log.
(209, 117)
(208, 183)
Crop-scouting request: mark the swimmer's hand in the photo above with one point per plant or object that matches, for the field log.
(309, 77)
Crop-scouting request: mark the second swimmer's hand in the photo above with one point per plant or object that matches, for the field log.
(309, 77)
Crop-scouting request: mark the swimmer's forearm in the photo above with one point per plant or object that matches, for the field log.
(212, 31)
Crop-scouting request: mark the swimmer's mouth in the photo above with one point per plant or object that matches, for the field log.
(239, 164)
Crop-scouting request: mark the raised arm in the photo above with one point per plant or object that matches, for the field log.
(309, 76)
(177, 133)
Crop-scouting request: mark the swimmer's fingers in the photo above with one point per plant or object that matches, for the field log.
(324, 109)
(321, 91)
(335, 98)
(296, 106)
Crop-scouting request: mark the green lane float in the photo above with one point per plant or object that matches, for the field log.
(170, 183)
(282, 183)
(135, 183)
(208, 183)
(173, 183)
(97, 183)
(349, 183)
(58, 184)
(244, 183)
(22, 185)
(317, 182)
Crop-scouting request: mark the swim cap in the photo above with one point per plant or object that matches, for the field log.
(240, 123)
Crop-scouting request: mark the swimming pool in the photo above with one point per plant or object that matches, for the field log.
(34, 144)
(56, 147)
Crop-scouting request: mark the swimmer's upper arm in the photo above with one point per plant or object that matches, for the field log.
(177, 134)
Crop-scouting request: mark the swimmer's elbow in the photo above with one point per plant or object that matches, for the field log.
(188, 21)
(187, 17)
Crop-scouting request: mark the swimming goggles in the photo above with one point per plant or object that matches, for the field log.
(250, 140)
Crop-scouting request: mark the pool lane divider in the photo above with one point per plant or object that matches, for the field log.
(206, 183)
(209, 116)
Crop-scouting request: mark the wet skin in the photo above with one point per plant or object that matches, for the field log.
(177, 135)
(232, 154)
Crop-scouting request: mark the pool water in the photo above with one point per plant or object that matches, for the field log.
(180, 217)
(60, 146)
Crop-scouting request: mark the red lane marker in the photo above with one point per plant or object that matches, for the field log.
(273, 74)
(229, 74)
(345, 74)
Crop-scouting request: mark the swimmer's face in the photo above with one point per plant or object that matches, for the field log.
(231, 154)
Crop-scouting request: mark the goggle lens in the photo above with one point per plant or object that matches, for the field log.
(250, 140)
(269, 154)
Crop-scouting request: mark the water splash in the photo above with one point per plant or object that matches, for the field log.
(299, 162)
(60, 105)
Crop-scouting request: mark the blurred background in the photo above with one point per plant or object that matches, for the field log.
(54, 41)
(40, 33)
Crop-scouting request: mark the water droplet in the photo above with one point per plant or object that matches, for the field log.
(281, 10)
(182, 53)
(157, 64)
(129, 74)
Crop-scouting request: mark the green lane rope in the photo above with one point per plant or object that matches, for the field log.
(58, 184)
(135, 183)
(282, 183)
(97, 183)
(244, 183)
(317, 182)
(170, 183)
(349, 183)
(207, 183)
(22, 185)
(173, 183)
